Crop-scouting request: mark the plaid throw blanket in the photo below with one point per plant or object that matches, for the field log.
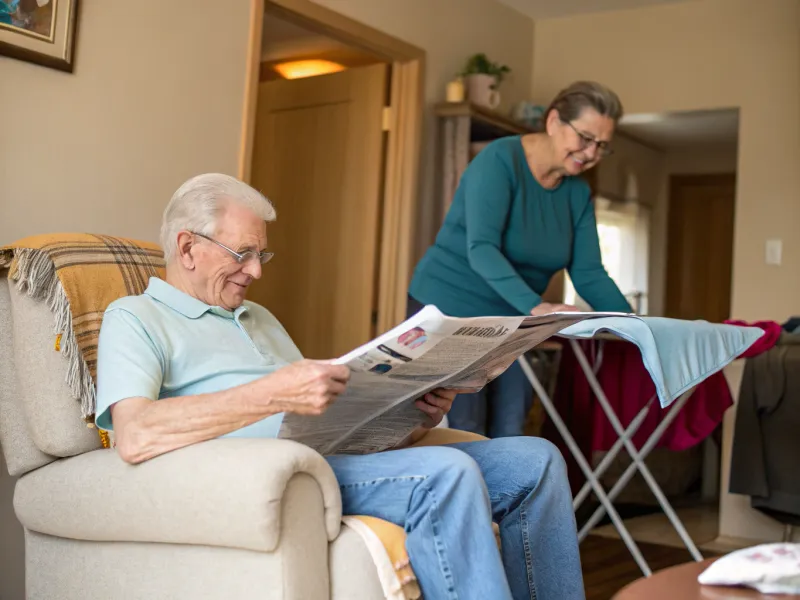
(79, 275)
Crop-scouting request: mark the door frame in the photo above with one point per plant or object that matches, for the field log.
(401, 180)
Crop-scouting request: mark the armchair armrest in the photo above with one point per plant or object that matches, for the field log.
(225, 492)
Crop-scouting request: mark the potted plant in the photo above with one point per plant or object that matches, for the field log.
(482, 77)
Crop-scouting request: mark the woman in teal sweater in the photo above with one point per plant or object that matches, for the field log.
(520, 215)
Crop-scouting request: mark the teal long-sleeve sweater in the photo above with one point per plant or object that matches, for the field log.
(504, 238)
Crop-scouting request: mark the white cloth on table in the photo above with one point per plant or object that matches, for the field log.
(768, 568)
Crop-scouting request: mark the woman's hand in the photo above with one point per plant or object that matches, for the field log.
(545, 308)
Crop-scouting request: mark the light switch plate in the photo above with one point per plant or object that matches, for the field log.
(774, 252)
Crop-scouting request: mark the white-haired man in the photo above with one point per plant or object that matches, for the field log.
(191, 360)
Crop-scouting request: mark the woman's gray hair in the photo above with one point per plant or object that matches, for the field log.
(574, 99)
(196, 205)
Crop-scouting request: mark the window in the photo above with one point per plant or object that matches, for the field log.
(623, 229)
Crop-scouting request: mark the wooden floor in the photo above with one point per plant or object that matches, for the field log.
(608, 566)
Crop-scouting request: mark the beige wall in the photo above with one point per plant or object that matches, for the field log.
(101, 150)
(449, 31)
(704, 55)
(156, 97)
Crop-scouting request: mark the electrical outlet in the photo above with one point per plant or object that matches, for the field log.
(774, 252)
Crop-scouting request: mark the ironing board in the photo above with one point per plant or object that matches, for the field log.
(606, 499)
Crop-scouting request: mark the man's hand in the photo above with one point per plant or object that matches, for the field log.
(436, 405)
(306, 387)
(545, 308)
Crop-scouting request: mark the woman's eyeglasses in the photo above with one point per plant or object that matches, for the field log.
(603, 149)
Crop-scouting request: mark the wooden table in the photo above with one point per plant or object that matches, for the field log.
(681, 582)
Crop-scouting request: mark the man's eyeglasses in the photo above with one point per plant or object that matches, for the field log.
(241, 257)
(603, 149)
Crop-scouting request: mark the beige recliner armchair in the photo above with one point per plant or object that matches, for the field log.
(256, 519)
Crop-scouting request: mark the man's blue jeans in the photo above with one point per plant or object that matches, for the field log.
(446, 498)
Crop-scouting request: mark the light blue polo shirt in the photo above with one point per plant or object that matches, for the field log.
(165, 343)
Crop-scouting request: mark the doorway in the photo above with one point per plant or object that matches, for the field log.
(332, 136)
(700, 246)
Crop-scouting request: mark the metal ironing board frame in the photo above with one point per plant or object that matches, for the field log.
(606, 499)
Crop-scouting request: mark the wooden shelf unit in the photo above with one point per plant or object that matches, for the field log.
(461, 125)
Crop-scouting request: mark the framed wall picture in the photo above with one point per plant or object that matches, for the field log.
(39, 31)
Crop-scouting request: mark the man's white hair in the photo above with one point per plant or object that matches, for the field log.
(196, 205)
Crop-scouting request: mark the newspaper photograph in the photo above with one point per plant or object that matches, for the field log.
(427, 351)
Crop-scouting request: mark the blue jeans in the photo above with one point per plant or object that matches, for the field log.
(499, 410)
(446, 498)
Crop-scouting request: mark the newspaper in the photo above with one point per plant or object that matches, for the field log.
(428, 351)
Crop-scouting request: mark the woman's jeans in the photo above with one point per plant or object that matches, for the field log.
(499, 410)
(445, 497)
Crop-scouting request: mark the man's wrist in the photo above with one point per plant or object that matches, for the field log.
(259, 398)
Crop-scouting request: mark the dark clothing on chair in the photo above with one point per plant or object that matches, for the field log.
(766, 444)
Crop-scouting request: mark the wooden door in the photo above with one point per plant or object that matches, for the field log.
(700, 246)
(318, 156)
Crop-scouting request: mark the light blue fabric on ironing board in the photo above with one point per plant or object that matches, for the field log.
(677, 354)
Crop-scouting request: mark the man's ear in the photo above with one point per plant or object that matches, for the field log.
(184, 253)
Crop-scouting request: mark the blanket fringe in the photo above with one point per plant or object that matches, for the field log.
(35, 274)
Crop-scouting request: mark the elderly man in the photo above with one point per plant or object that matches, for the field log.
(191, 360)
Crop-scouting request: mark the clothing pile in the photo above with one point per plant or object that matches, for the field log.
(766, 444)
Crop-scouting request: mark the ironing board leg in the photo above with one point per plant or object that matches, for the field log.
(584, 466)
(638, 462)
(612, 454)
(628, 474)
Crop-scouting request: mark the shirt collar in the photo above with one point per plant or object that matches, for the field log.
(187, 305)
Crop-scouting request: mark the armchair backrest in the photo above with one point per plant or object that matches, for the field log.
(40, 421)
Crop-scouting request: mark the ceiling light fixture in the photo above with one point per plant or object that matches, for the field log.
(298, 69)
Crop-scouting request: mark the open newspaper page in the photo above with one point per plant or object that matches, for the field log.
(402, 418)
(427, 351)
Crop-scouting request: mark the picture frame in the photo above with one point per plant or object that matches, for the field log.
(42, 32)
